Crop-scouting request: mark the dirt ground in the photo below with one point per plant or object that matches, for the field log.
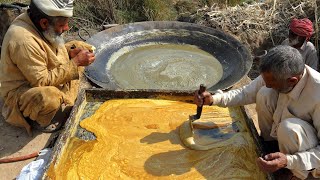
(16, 142)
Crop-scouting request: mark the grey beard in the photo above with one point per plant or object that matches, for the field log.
(293, 42)
(54, 39)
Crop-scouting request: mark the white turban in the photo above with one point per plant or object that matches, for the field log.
(55, 7)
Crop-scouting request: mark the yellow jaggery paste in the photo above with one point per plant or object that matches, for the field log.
(139, 139)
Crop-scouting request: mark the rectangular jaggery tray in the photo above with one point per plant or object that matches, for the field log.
(89, 100)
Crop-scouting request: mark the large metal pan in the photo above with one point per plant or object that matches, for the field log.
(234, 58)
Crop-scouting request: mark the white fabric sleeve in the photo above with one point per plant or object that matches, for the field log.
(307, 160)
(312, 59)
(241, 96)
(285, 42)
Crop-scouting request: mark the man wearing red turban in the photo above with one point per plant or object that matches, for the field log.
(300, 33)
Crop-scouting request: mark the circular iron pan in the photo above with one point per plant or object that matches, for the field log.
(233, 56)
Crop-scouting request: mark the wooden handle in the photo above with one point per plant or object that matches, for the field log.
(202, 89)
(199, 108)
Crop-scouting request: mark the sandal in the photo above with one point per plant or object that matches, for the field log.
(53, 127)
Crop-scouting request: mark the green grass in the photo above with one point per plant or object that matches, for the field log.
(99, 12)
(11, 1)
(125, 11)
(159, 10)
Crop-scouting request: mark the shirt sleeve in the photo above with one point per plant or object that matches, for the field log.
(312, 59)
(285, 42)
(32, 62)
(238, 97)
(310, 159)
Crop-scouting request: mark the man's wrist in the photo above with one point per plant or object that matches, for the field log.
(211, 101)
(75, 61)
(289, 161)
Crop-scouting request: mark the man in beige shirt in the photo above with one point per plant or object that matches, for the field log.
(287, 97)
(38, 75)
(300, 31)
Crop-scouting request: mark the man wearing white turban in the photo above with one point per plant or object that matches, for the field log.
(38, 76)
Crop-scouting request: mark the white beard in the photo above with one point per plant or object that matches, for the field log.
(54, 38)
(293, 42)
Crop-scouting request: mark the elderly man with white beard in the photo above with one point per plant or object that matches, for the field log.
(38, 76)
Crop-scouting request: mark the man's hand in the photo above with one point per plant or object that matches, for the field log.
(206, 96)
(83, 57)
(272, 162)
(73, 52)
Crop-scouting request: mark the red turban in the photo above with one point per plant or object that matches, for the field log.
(302, 27)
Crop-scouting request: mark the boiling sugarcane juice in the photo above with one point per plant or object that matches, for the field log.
(164, 66)
(139, 139)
